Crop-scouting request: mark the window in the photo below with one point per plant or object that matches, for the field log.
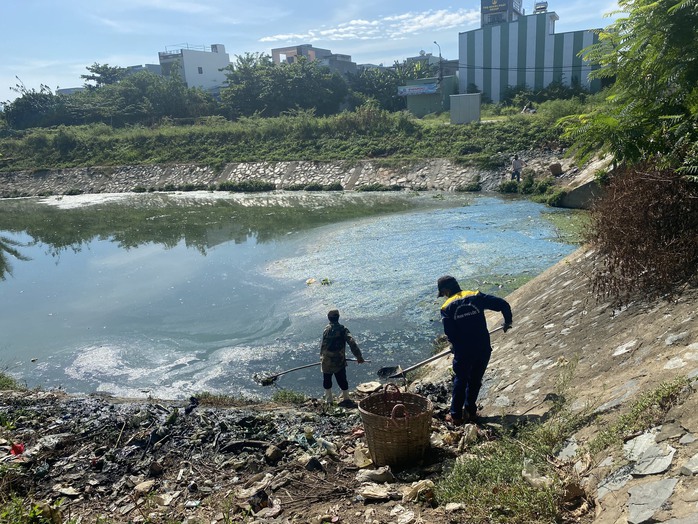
(201, 70)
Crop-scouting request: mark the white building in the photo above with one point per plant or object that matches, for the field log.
(199, 66)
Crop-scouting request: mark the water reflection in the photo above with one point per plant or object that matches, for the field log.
(9, 248)
(201, 221)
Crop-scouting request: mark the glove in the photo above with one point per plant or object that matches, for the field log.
(360, 360)
(506, 327)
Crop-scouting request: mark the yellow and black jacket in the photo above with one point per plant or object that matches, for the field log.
(463, 318)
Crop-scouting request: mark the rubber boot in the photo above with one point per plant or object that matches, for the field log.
(347, 402)
(328, 396)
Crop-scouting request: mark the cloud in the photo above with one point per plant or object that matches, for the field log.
(395, 27)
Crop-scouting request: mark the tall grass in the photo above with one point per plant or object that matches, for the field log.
(365, 133)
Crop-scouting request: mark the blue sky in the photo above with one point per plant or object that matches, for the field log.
(51, 42)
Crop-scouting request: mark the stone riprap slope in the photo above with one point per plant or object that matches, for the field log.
(434, 174)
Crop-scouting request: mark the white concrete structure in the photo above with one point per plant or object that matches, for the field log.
(199, 67)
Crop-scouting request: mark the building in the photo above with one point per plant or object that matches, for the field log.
(523, 51)
(429, 95)
(155, 69)
(199, 66)
(334, 62)
(499, 11)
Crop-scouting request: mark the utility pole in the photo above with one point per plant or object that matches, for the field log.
(441, 74)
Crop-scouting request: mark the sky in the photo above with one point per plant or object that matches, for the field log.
(51, 42)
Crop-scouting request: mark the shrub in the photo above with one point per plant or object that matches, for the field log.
(473, 186)
(9, 382)
(379, 187)
(644, 229)
(510, 186)
(556, 197)
(286, 396)
(249, 186)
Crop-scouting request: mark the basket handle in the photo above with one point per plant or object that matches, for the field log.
(398, 411)
(392, 390)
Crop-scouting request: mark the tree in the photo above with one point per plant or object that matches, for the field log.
(103, 75)
(379, 84)
(652, 108)
(34, 108)
(646, 225)
(246, 79)
(255, 85)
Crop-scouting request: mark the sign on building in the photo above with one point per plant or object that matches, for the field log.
(494, 6)
(421, 89)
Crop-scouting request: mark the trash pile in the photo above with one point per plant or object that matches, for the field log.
(86, 458)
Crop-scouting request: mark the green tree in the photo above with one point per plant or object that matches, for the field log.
(646, 225)
(379, 84)
(35, 108)
(103, 75)
(652, 108)
(255, 85)
(246, 79)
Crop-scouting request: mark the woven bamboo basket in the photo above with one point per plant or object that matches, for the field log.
(397, 426)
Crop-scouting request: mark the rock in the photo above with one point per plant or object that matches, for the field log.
(634, 448)
(314, 465)
(369, 387)
(380, 475)
(375, 492)
(555, 169)
(690, 468)
(273, 455)
(670, 431)
(646, 499)
(614, 481)
(655, 459)
(144, 487)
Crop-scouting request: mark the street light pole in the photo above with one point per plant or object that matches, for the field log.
(441, 75)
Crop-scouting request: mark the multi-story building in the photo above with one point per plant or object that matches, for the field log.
(521, 50)
(335, 62)
(199, 66)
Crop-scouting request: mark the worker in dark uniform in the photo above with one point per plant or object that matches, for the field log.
(463, 318)
(333, 360)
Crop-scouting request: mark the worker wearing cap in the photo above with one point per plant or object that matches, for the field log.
(333, 360)
(463, 318)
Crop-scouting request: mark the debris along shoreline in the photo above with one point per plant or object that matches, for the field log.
(142, 461)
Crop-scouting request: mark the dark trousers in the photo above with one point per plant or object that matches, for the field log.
(467, 382)
(340, 377)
